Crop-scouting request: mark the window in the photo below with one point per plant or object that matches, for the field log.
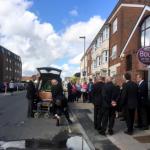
(105, 34)
(94, 48)
(94, 63)
(100, 60)
(114, 52)
(115, 26)
(101, 40)
(105, 56)
(145, 33)
(129, 63)
(95, 44)
(97, 61)
(98, 42)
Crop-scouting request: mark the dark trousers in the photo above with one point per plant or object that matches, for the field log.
(90, 96)
(70, 97)
(107, 117)
(97, 121)
(85, 96)
(130, 116)
(142, 116)
(78, 95)
(30, 107)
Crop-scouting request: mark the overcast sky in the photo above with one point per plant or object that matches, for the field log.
(46, 32)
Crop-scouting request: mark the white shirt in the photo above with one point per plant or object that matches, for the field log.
(11, 85)
(140, 82)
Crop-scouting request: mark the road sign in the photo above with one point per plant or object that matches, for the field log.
(144, 55)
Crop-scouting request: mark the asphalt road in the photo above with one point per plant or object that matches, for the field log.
(14, 124)
(41, 133)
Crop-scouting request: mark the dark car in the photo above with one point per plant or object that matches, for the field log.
(44, 96)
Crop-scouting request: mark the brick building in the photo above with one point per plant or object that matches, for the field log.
(10, 66)
(129, 31)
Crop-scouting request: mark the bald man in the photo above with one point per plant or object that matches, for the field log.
(108, 106)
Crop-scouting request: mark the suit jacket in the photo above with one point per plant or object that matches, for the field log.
(57, 91)
(129, 96)
(69, 87)
(108, 94)
(97, 93)
(143, 93)
(31, 91)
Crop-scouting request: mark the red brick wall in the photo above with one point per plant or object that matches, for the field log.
(127, 19)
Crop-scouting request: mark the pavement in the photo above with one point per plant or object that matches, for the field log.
(19, 132)
(140, 140)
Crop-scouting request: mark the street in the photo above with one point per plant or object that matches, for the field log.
(19, 132)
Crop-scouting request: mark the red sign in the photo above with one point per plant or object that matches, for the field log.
(144, 55)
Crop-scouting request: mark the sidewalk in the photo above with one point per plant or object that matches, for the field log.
(139, 141)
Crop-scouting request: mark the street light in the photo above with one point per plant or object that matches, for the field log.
(84, 72)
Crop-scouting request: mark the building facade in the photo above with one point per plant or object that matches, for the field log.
(10, 66)
(114, 49)
(83, 67)
(100, 52)
(129, 31)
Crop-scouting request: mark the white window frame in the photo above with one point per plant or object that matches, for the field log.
(114, 52)
(144, 33)
(115, 26)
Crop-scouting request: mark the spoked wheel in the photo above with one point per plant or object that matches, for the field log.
(36, 115)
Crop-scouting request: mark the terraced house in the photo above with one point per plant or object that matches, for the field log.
(100, 52)
(129, 31)
(126, 30)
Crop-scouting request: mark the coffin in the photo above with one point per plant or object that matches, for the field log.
(45, 96)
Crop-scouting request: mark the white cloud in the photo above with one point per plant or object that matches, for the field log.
(73, 12)
(67, 70)
(37, 42)
(76, 59)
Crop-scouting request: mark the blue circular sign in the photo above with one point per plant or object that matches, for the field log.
(144, 55)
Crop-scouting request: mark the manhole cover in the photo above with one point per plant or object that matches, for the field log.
(143, 139)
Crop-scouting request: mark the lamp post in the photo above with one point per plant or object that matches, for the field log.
(84, 38)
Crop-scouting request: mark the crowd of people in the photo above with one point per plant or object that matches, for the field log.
(109, 98)
(77, 90)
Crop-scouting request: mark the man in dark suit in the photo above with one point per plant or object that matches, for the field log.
(60, 104)
(31, 93)
(142, 103)
(69, 89)
(107, 113)
(129, 99)
(97, 100)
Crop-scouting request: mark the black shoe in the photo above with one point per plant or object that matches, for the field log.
(144, 128)
(122, 119)
(99, 128)
(128, 132)
(137, 126)
(69, 121)
(102, 133)
(111, 132)
(57, 122)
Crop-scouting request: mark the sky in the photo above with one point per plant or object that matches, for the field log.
(46, 32)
